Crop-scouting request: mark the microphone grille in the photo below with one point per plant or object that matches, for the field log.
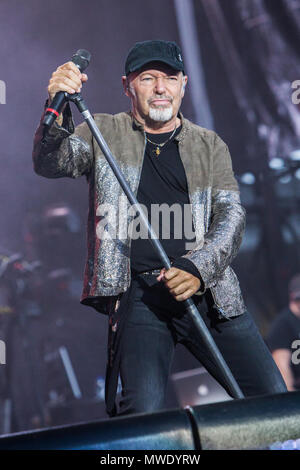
(81, 58)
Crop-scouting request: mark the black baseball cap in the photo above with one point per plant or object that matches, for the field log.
(154, 51)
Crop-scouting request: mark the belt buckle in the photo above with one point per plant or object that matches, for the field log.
(153, 272)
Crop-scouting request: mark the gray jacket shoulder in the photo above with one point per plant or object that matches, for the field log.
(113, 120)
(206, 134)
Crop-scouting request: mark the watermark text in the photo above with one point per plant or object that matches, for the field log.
(2, 352)
(296, 353)
(129, 221)
(296, 94)
(2, 92)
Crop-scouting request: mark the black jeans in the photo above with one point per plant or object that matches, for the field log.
(156, 322)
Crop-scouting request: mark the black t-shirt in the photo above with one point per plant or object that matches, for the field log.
(284, 331)
(163, 181)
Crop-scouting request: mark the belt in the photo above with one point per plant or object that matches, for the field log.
(153, 272)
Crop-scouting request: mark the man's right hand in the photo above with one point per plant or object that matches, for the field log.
(67, 77)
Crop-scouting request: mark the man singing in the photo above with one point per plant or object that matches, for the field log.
(168, 162)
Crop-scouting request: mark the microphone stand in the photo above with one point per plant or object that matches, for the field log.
(188, 303)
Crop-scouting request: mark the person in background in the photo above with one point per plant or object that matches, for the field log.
(284, 338)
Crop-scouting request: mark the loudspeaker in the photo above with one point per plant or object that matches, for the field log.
(250, 423)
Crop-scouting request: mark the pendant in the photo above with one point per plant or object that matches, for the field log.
(157, 151)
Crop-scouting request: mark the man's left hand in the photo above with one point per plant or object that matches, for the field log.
(181, 284)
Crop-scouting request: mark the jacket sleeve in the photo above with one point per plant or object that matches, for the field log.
(227, 223)
(62, 151)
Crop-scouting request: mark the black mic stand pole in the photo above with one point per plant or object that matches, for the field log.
(188, 303)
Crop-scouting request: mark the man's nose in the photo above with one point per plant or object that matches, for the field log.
(160, 85)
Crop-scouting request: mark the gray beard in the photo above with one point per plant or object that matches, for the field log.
(160, 114)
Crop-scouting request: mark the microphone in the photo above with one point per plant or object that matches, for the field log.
(81, 59)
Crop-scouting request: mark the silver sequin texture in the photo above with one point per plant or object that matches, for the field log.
(219, 243)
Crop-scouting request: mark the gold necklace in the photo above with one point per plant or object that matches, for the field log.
(157, 150)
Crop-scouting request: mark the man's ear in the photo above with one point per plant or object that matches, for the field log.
(125, 85)
(185, 80)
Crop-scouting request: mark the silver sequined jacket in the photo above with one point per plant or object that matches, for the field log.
(219, 218)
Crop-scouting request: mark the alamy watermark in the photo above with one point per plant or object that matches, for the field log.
(2, 352)
(296, 354)
(167, 221)
(2, 92)
(296, 94)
